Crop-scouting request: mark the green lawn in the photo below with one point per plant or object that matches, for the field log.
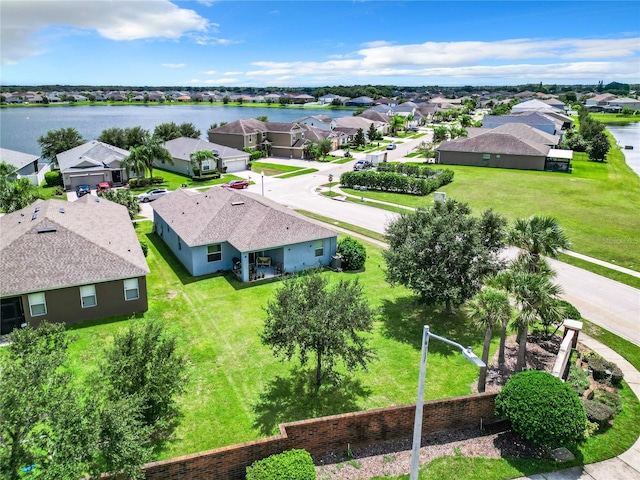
(238, 391)
(48, 192)
(614, 117)
(303, 171)
(173, 181)
(272, 168)
(597, 204)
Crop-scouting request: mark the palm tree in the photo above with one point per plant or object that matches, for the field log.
(136, 161)
(538, 235)
(155, 150)
(485, 309)
(536, 298)
(396, 122)
(200, 156)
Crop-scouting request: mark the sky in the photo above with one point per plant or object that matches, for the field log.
(214, 43)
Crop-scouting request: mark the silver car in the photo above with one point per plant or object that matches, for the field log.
(152, 195)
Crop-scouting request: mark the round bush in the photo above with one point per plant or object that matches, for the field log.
(569, 310)
(290, 465)
(542, 408)
(352, 252)
(53, 179)
(609, 398)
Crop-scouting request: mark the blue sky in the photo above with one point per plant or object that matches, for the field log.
(306, 43)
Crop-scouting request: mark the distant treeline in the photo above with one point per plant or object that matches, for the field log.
(351, 91)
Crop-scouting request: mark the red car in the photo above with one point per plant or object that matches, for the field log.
(103, 187)
(237, 184)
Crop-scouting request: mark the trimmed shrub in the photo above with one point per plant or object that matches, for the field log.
(395, 182)
(598, 412)
(569, 310)
(598, 367)
(610, 398)
(616, 375)
(58, 191)
(290, 465)
(208, 176)
(352, 252)
(53, 179)
(578, 379)
(145, 248)
(542, 408)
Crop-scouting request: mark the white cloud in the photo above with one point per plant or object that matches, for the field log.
(376, 44)
(232, 73)
(209, 72)
(209, 40)
(118, 20)
(216, 81)
(174, 65)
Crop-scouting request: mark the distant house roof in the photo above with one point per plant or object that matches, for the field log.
(17, 159)
(247, 221)
(499, 143)
(527, 133)
(375, 116)
(55, 244)
(533, 105)
(183, 147)
(353, 122)
(315, 118)
(528, 118)
(92, 154)
(243, 126)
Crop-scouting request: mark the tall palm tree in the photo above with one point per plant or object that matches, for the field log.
(538, 235)
(485, 309)
(536, 298)
(200, 156)
(396, 122)
(136, 161)
(155, 150)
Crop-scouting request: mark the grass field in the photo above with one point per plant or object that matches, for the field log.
(238, 391)
(597, 204)
(173, 181)
(272, 168)
(303, 171)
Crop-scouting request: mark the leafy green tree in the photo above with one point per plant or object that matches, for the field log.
(114, 136)
(16, 194)
(308, 317)
(455, 132)
(167, 131)
(360, 140)
(466, 121)
(372, 132)
(440, 134)
(188, 130)
(396, 123)
(598, 148)
(487, 308)
(57, 141)
(542, 409)
(124, 197)
(324, 147)
(426, 149)
(136, 161)
(198, 157)
(352, 252)
(225, 100)
(136, 136)
(154, 150)
(144, 364)
(442, 253)
(262, 118)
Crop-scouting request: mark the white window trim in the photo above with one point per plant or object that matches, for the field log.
(88, 291)
(128, 287)
(37, 299)
(321, 248)
(219, 251)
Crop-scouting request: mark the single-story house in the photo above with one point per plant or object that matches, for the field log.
(534, 119)
(503, 150)
(228, 230)
(92, 163)
(26, 165)
(69, 262)
(227, 159)
(319, 121)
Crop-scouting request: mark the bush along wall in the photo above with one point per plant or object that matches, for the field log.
(145, 182)
(396, 182)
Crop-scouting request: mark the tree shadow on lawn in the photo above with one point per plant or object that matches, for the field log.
(403, 319)
(294, 397)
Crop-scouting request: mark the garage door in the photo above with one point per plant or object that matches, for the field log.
(235, 165)
(91, 179)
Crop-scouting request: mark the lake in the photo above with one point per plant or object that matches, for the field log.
(21, 127)
(628, 135)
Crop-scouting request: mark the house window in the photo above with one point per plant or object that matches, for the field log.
(206, 165)
(131, 291)
(88, 296)
(37, 304)
(250, 138)
(214, 253)
(486, 157)
(179, 244)
(319, 248)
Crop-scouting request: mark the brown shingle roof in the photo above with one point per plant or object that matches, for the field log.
(67, 243)
(247, 221)
(499, 143)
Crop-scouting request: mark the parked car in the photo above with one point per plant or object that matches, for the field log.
(82, 190)
(391, 146)
(237, 184)
(152, 195)
(362, 165)
(103, 187)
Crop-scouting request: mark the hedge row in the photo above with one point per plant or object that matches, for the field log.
(145, 182)
(208, 176)
(411, 170)
(395, 182)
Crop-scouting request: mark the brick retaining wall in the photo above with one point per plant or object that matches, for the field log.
(322, 435)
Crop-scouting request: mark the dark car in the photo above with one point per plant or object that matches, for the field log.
(82, 190)
(152, 195)
(237, 184)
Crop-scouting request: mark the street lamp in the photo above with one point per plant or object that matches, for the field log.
(262, 176)
(417, 426)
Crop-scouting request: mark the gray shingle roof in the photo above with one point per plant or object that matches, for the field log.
(247, 221)
(92, 154)
(183, 147)
(499, 143)
(243, 126)
(528, 133)
(17, 159)
(67, 244)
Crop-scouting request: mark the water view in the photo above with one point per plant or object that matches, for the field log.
(20, 128)
(628, 135)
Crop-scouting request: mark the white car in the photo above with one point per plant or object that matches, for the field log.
(152, 195)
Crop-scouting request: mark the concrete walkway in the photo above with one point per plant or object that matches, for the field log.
(625, 466)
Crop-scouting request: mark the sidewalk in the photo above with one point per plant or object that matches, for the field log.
(625, 466)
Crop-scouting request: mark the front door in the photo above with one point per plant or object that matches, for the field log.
(11, 315)
(116, 176)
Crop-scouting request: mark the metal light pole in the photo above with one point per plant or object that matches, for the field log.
(417, 425)
(262, 177)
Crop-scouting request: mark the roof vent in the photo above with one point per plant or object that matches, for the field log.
(47, 230)
(97, 200)
(34, 216)
(237, 203)
(61, 210)
(37, 209)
